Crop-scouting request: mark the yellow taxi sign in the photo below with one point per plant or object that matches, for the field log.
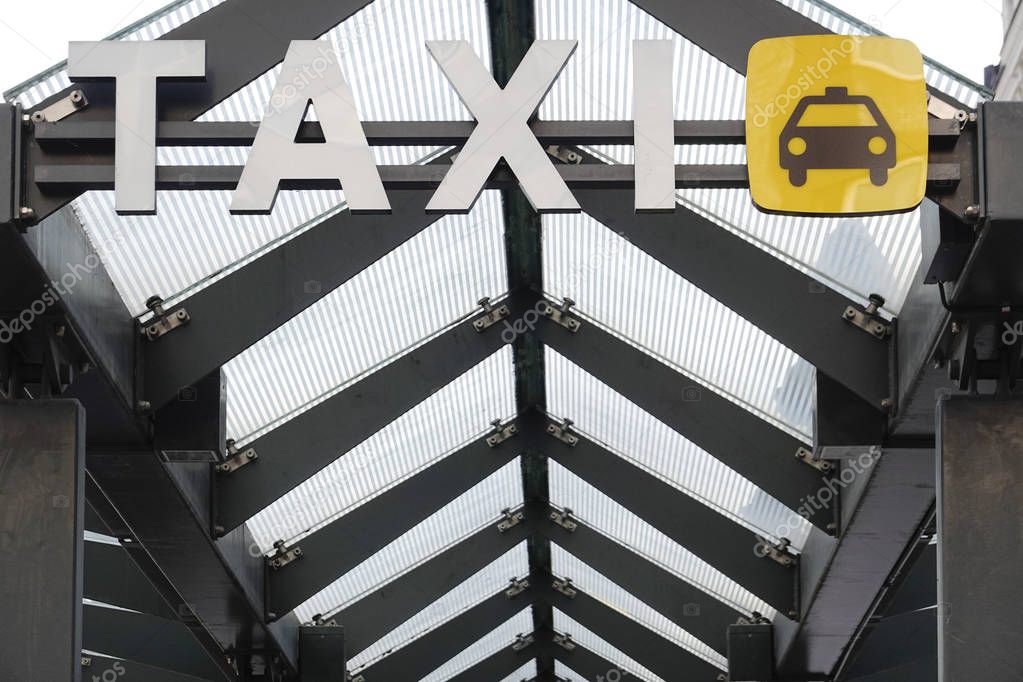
(836, 125)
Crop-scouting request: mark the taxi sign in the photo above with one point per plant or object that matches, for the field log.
(836, 125)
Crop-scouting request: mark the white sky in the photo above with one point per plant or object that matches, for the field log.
(965, 35)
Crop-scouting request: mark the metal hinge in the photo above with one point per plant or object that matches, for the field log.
(501, 433)
(821, 465)
(867, 319)
(491, 315)
(564, 519)
(62, 108)
(236, 458)
(564, 641)
(518, 586)
(564, 587)
(284, 555)
(777, 553)
(563, 432)
(560, 315)
(565, 154)
(162, 321)
(510, 519)
(522, 641)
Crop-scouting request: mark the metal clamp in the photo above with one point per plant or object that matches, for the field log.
(163, 322)
(564, 641)
(236, 458)
(518, 586)
(510, 519)
(564, 519)
(320, 621)
(821, 465)
(501, 433)
(755, 618)
(284, 555)
(564, 587)
(868, 319)
(777, 553)
(357, 678)
(560, 315)
(563, 432)
(522, 641)
(62, 108)
(565, 154)
(491, 315)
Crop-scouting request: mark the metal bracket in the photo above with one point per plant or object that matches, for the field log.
(564, 641)
(518, 586)
(821, 465)
(755, 618)
(284, 555)
(163, 322)
(564, 587)
(319, 621)
(522, 641)
(86, 661)
(62, 108)
(941, 109)
(776, 553)
(560, 315)
(510, 520)
(491, 315)
(565, 154)
(564, 519)
(357, 678)
(501, 433)
(563, 432)
(236, 458)
(867, 319)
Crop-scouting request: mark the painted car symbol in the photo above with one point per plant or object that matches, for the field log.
(837, 130)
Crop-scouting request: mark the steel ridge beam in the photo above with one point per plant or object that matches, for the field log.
(377, 613)
(745, 442)
(306, 443)
(344, 543)
(112, 577)
(702, 614)
(235, 312)
(653, 651)
(702, 530)
(783, 302)
(425, 654)
(94, 666)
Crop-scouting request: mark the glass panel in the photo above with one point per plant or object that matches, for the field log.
(499, 638)
(626, 666)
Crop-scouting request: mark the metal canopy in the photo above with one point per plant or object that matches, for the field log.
(638, 489)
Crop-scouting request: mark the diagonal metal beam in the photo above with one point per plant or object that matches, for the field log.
(233, 313)
(390, 605)
(590, 665)
(783, 301)
(711, 536)
(298, 448)
(95, 667)
(335, 549)
(422, 656)
(497, 666)
(750, 445)
(111, 577)
(654, 652)
(701, 614)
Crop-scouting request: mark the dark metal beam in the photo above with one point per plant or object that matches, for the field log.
(272, 289)
(497, 666)
(343, 544)
(111, 577)
(322, 653)
(782, 301)
(94, 666)
(42, 510)
(390, 605)
(750, 445)
(298, 448)
(586, 663)
(701, 614)
(711, 536)
(425, 654)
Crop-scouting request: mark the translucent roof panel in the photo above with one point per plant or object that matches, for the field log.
(565, 673)
(634, 294)
(477, 508)
(601, 513)
(454, 415)
(638, 437)
(499, 638)
(483, 585)
(599, 587)
(626, 666)
(526, 672)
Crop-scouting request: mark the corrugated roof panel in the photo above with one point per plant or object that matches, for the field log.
(602, 513)
(491, 643)
(493, 578)
(478, 507)
(625, 666)
(454, 415)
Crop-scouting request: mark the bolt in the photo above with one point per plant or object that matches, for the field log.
(850, 313)
(485, 303)
(26, 212)
(38, 117)
(956, 328)
(972, 211)
(144, 406)
(887, 405)
(77, 97)
(219, 531)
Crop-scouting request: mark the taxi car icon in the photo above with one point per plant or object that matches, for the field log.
(837, 130)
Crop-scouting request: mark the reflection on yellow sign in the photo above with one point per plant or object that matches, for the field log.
(836, 125)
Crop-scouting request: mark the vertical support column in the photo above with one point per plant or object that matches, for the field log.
(980, 555)
(42, 517)
(321, 653)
